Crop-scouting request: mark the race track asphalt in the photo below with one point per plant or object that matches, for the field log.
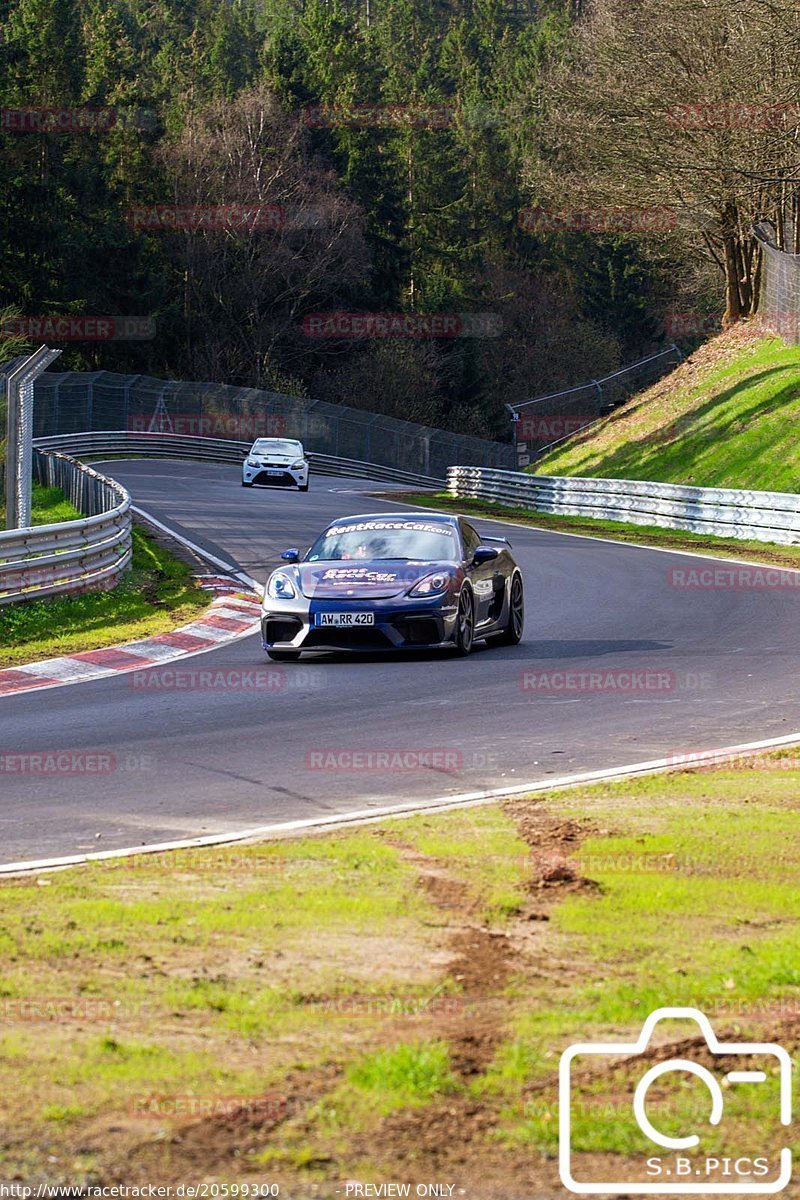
(716, 666)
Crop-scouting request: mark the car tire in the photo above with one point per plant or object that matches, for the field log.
(284, 655)
(303, 487)
(512, 634)
(465, 624)
(246, 484)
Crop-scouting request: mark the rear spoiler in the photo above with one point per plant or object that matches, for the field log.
(485, 538)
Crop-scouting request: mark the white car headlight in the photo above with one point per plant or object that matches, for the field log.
(281, 587)
(251, 462)
(298, 466)
(438, 581)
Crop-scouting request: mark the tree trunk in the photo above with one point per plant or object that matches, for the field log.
(733, 307)
(739, 293)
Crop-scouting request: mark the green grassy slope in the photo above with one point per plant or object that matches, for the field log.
(727, 417)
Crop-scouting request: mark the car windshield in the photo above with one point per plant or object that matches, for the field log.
(276, 446)
(385, 538)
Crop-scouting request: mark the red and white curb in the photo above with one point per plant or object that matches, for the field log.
(233, 614)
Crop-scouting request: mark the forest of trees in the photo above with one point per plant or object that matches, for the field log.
(380, 153)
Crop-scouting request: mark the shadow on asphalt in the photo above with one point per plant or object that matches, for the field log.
(526, 652)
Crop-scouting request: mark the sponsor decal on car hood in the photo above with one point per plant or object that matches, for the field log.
(348, 579)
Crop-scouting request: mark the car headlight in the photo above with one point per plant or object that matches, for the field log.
(251, 462)
(281, 587)
(438, 581)
(298, 466)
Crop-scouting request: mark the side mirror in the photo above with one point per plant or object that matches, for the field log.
(484, 554)
(291, 556)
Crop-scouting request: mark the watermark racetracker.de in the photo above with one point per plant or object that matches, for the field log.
(633, 681)
(262, 1108)
(400, 324)
(79, 328)
(733, 578)
(236, 426)
(60, 761)
(224, 679)
(597, 220)
(398, 758)
(53, 119)
(231, 216)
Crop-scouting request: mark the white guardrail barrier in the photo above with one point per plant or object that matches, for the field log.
(70, 556)
(93, 552)
(203, 449)
(723, 512)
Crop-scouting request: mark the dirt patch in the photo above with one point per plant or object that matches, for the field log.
(455, 1138)
(445, 892)
(138, 1147)
(554, 841)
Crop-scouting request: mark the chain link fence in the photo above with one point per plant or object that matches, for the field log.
(545, 421)
(84, 402)
(779, 294)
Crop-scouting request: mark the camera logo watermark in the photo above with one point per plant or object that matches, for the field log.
(678, 1172)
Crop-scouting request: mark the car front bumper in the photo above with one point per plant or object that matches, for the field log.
(398, 625)
(275, 476)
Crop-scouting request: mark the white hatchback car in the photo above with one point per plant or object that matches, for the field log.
(277, 461)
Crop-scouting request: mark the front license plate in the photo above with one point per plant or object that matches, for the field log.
(346, 618)
(273, 471)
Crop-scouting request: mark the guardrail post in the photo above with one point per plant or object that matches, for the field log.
(19, 436)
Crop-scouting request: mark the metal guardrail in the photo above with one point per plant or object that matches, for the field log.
(547, 421)
(77, 556)
(203, 449)
(70, 556)
(779, 299)
(722, 512)
(70, 401)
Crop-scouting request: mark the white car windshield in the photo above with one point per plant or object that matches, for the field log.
(394, 538)
(276, 446)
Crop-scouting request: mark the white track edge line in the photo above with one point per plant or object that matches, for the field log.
(417, 808)
(228, 568)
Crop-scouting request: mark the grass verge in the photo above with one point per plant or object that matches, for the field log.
(636, 535)
(392, 1003)
(156, 595)
(725, 418)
